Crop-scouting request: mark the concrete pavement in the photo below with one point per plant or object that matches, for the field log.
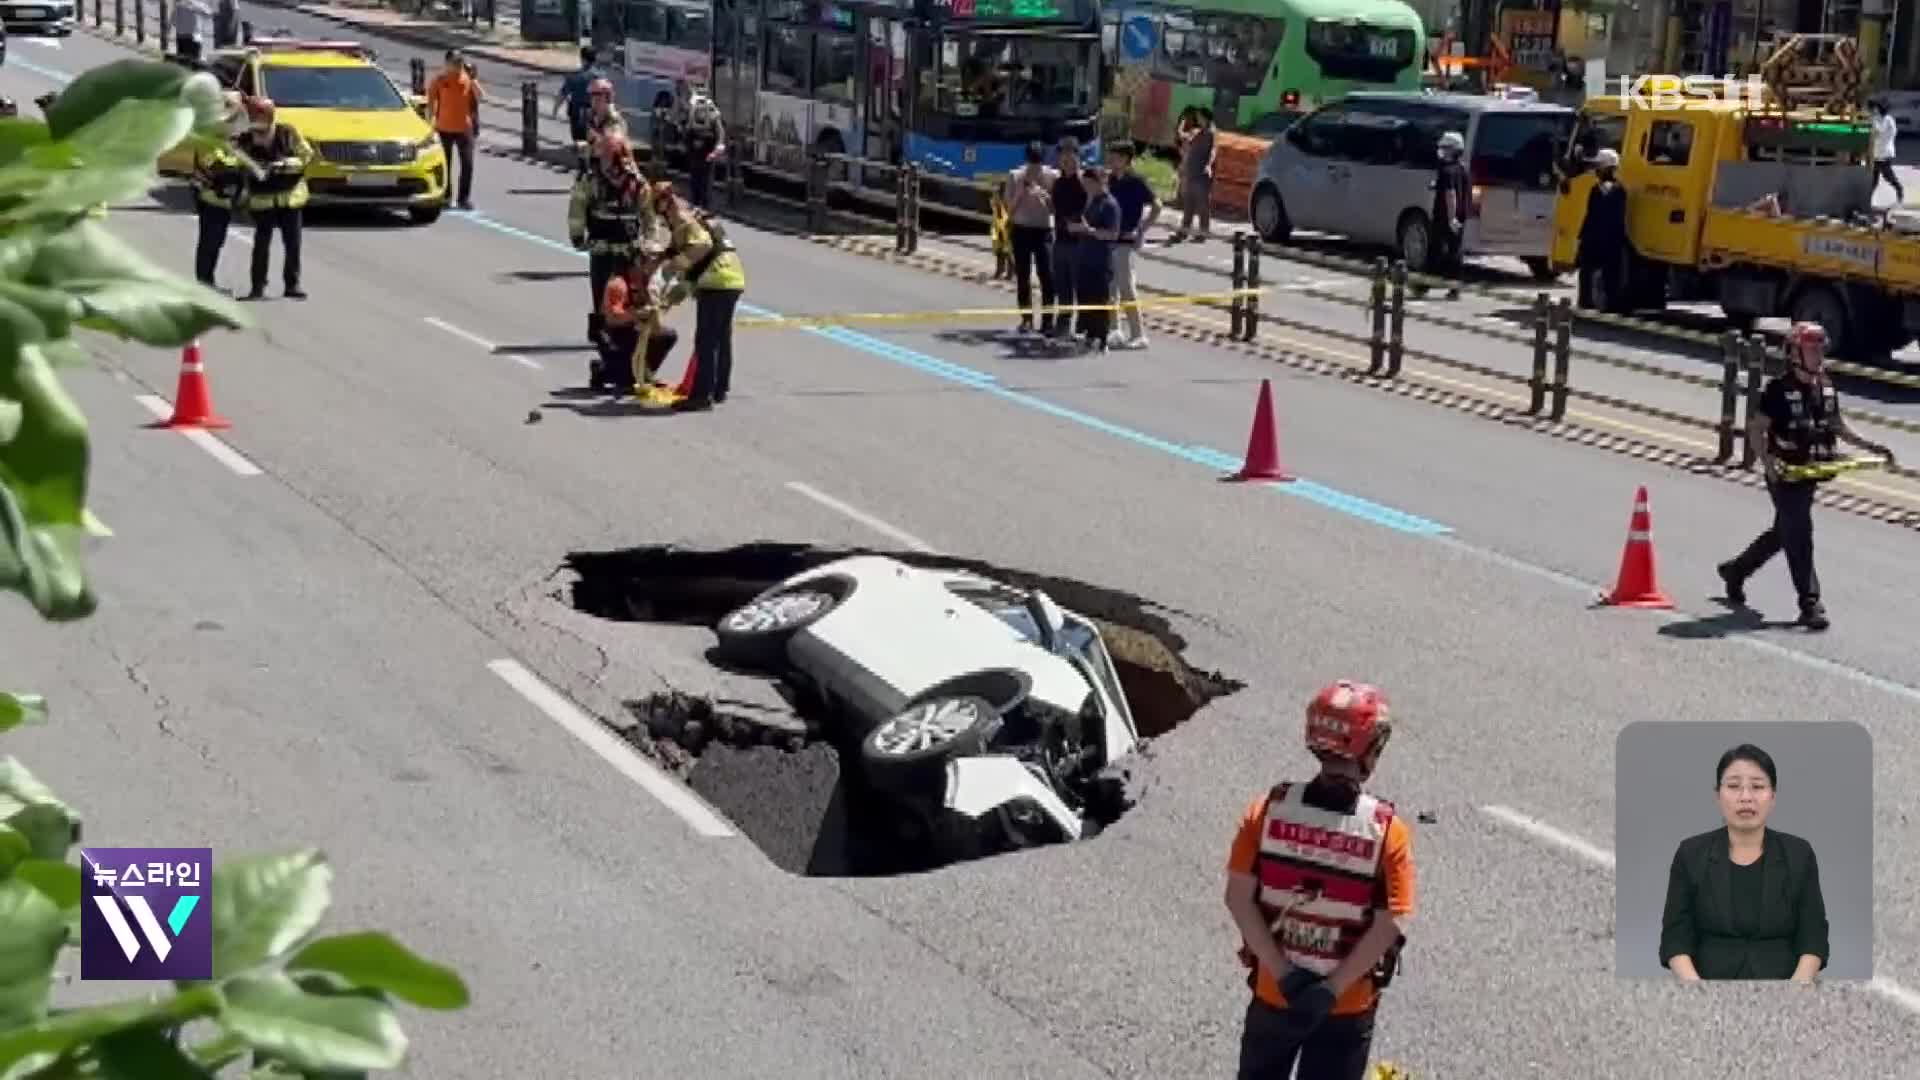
(407, 520)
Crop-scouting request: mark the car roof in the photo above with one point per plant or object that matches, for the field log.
(1467, 102)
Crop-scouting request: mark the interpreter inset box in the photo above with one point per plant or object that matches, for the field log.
(1743, 848)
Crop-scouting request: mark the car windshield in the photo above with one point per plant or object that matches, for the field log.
(358, 89)
(1010, 607)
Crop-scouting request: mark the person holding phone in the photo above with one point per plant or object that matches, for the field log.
(1029, 199)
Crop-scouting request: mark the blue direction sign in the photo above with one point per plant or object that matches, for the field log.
(1139, 37)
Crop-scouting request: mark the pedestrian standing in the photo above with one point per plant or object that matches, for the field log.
(1885, 131)
(453, 101)
(1602, 252)
(1320, 883)
(608, 215)
(711, 271)
(573, 95)
(1196, 179)
(276, 200)
(1029, 199)
(219, 181)
(1798, 423)
(1139, 209)
(1069, 202)
(1452, 196)
(188, 18)
(1099, 233)
(706, 140)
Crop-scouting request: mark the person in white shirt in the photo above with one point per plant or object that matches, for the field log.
(187, 17)
(1885, 130)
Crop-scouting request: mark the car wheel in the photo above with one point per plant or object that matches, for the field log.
(424, 215)
(1541, 269)
(911, 749)
(756, 632)
(1270, 216)
(1415, 242)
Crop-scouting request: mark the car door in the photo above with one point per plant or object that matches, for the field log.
(1371, 191)
(1311, 174)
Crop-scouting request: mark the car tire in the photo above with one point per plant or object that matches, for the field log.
(424, 215)
(1269, 215)
(908, 753)
(756, 632)
(1413, 242)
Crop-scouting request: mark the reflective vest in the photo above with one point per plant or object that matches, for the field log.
(707, 260)
(218, 176)
(285, 158)
(605, 216)
(1319, 874)
(1809, 436)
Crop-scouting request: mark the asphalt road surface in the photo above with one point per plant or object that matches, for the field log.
(339, 630)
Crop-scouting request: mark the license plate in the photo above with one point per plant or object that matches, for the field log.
(33, 13)
(369, 180)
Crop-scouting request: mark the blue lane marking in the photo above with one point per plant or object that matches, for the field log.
(1320, 494)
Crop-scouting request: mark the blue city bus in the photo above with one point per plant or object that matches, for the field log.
(957, 87)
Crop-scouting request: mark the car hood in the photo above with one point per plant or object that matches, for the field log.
(337, 125)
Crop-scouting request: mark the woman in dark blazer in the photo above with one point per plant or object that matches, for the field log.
(1743, 902)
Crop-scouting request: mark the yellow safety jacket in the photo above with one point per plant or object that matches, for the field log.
(705, 264)
(219, 178)
(605, 216)
(285, 158)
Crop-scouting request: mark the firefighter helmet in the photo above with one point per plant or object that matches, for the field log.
(260, 109)
(1348, 720)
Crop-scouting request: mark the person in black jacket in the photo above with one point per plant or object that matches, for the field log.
(1744, 901)
(1602, 255)
(1069, 200)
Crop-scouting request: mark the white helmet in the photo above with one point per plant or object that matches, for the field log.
(1452, 144)
(1606, 159)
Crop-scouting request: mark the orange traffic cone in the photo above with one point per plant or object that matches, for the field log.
(193, 401)
(1639, 585)
(1263, 444)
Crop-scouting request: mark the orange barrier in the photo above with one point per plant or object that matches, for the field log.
(1236, 161)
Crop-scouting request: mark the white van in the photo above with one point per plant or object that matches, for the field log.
(1362, 167)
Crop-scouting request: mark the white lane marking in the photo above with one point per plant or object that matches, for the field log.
(1886, 987)
(162, 409)
(46, 43)
(476, 339)
(854, 513)
(1540, 830)
(625, 760)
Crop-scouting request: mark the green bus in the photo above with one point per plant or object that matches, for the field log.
(1256, 63)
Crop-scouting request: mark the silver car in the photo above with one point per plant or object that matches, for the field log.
(1363, 167)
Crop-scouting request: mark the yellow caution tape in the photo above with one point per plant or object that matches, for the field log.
(1827, 470)
(958, 314)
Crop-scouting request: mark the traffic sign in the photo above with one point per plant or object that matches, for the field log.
(1139, 37)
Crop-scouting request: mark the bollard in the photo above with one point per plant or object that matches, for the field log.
(913, 209)
(1732, 351)
(417, 70)
(1377, 307)
(99, 12)
(1754, 359)
(1562, 355)
(900, 211)
(817, 194)
(1537, 385)
(1251, 314)
(530, 119)
(119, 18)
(139, 22)
(1237, 309)
(166, 25)
(1396, 340)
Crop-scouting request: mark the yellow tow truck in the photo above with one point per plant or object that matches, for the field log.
(1764, 206)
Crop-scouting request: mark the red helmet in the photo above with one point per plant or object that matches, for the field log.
(1807, 333)
(1348, 720)
(600, 87)
(260, 108)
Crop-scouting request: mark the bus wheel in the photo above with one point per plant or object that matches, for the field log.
(1270, 216)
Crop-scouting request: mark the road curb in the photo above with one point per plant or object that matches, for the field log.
(419, 37)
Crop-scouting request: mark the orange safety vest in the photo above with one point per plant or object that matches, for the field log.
(1319, 874)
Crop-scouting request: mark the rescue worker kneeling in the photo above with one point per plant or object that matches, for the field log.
(1320, 884)
(710, 269)
(633, 307)
(606, 217)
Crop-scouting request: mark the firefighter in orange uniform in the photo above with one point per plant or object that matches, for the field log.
(1320, 884)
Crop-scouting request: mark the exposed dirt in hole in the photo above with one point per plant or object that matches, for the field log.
(770, 774)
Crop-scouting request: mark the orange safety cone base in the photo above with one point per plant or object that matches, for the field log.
(205, 423)
(1657, 602)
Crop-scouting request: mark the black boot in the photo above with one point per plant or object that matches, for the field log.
(1736, 586)
(1813, 614)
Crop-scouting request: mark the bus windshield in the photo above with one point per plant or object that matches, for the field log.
(1355, 50)
(1004, 76)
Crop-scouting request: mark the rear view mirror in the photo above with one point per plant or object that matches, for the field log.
(1048, 617)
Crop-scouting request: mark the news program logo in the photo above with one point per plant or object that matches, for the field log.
(145, 913)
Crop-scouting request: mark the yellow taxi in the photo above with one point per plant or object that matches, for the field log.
(372, 144)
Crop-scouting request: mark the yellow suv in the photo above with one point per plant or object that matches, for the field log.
(372, 144)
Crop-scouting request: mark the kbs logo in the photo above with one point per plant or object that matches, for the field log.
(1665, 93)
(144, 913)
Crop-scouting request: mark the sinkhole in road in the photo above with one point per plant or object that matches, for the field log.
(775, 771)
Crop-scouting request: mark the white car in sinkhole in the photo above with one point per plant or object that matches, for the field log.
(966, 696)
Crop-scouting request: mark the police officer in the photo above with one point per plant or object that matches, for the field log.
(1320, 884)
(219, 181)
(1798, 423)
(706, 137)
(710, 269)
(276, 199)
(606, 216)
